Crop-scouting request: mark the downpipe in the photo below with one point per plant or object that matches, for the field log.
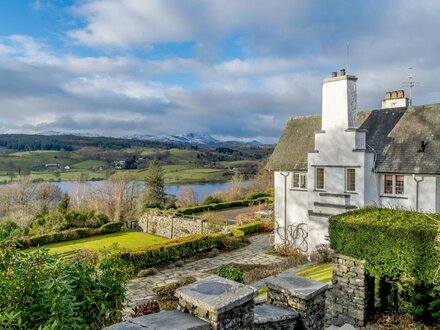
(417, 190)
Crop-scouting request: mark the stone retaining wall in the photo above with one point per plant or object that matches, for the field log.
(170, 226)
(351, 296)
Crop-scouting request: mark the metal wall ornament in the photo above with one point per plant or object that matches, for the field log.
(295, 235)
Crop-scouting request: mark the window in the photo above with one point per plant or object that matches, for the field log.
(394, 184)
(350, 179)
(399, 184)
(388, 188)
(319, 178)
(299, 180)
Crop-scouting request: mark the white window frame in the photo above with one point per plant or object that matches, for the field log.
(302, 180)
(347, 178)
(394, 185)
(316, 178)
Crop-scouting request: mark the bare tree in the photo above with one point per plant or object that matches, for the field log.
(187, 197)
(117, 197)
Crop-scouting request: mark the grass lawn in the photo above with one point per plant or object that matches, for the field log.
(125, 239)
(322, 273)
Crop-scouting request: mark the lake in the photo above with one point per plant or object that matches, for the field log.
(201, 189)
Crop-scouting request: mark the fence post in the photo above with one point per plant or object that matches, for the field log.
(172, 227)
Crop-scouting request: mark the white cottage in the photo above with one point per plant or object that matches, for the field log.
(344, 159)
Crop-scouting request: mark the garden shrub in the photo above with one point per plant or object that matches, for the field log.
(39, 291)
(171, 251)
(111, 227)
(397, 245)
(68, 235)
(210, 199)
(220, 206)
(230, 273)
(9, 229)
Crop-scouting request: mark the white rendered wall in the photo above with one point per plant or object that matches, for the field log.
(339, 103)
(427, 195)
(437, 193)
(296, 201)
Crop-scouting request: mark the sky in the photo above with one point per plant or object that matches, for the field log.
(234, 69)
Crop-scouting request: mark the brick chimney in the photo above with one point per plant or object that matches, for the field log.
(339, 102)
(395, 99)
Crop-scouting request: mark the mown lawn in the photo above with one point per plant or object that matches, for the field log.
(125, 239)
(321, 273)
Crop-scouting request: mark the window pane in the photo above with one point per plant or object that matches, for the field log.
(399, 184)
(351, 179)
(319, 178)
(388, 184)
(295, 180)
(304, 180)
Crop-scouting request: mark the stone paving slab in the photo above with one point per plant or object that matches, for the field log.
(141, 289)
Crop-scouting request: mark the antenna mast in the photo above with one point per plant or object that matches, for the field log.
(410, 84)
(348, 56)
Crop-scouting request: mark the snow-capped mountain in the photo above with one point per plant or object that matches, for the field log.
(190, 139)
(194, 139)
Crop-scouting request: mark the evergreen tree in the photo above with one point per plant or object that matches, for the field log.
(155, 185)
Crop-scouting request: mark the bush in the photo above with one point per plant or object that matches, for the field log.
(68, 235)
(397, 245)
(40, 291)
(9, 229)
(171, 251)
(220, 206)
(62, 236)
(230, 273)
(210, 199)
(323, 254)
(111, 227)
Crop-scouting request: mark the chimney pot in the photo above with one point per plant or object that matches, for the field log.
(401, 94)
(334, 74)
(394, 95)
(342, 72)
(387, 95)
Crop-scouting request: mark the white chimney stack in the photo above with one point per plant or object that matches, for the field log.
(339, 102)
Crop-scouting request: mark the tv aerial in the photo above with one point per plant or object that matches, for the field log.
(410, 84)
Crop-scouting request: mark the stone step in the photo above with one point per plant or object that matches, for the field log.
(274, 317)
(164, 320)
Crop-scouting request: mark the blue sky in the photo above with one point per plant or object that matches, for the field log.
(230, 68)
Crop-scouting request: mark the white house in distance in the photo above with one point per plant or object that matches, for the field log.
(344, 159)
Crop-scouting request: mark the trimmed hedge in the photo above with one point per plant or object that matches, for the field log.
(166, 253)
(68, 235)
(111, 227)
(393, 242)
(220, 206)
(400, 251)
(171, 251)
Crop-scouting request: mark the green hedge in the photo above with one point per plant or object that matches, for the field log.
(400, 248)
(393, 242)
(111, 227)
(220, 206)
(171, 251)
(247, 229)
(68, 235)
(176, 249)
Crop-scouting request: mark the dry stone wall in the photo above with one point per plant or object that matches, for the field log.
(170, 226)
(351, 296)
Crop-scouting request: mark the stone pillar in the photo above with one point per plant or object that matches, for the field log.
(351, 297)
(305, 296)
(223, 303)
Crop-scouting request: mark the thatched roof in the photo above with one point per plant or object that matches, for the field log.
(395, 135)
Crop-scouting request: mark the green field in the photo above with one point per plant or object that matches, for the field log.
(180, 165)
(125, 239)
(322, 273)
